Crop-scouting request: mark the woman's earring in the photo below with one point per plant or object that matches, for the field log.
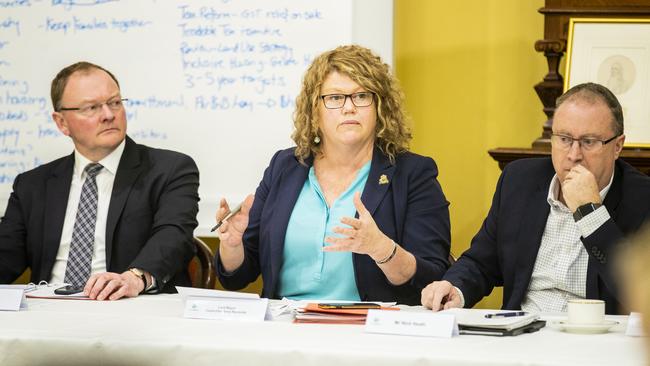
(316, 139)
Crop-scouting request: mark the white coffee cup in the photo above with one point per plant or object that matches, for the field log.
(586, 311)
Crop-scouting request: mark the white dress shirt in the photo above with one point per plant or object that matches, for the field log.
(560, 272)
(105, 180)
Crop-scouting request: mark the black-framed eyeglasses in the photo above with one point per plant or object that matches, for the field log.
(93, 109)
(586, 143)
(336, 101)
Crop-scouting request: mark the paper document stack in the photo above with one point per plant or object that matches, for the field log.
(311, 313)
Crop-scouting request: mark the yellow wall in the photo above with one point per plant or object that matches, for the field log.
(468, 70)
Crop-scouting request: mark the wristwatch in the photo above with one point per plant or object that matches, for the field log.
(585, 210)
(139, 273)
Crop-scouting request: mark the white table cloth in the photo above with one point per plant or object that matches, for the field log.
(150, 330)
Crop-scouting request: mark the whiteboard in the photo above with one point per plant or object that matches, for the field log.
(215, 79)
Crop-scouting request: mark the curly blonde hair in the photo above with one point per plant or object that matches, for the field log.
(392, 135)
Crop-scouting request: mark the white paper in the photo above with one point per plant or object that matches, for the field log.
(47, 292)
(11, 298)
(424, 324)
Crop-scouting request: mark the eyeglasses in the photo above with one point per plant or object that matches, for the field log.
(93, 109)
(565, 142)
(336, 101)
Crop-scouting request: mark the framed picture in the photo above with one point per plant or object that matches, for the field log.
(616, 54)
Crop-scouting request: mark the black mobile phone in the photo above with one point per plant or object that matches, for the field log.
(349, 305)
(69, 290)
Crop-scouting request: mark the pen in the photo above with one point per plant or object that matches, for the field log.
(230, 214)
(505, 315)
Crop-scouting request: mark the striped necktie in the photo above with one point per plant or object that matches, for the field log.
(77, 269)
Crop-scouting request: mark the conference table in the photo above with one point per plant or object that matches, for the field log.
(151, 330)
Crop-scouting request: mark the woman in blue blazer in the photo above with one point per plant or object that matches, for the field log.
(349, 213)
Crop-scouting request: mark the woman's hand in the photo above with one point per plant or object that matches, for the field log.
(363, 236)
(232, 230)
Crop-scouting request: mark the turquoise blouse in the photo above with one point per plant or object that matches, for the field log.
(307, 272)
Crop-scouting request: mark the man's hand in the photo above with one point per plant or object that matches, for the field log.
(579, 188)
(440, 295)
(113, 286)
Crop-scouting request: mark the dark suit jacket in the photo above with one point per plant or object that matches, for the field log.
(504, 251)
(151, 216)
(411, 210)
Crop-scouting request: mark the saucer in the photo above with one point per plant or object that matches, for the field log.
(585, 328)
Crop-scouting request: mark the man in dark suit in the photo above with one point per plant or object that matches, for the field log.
(114, 218)
(555, 224)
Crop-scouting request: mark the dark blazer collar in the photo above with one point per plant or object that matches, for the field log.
(57, 190)
(615, 192)
(611, 202)
(290, 183)
(379, 180)
(128, 172)
(529, 235)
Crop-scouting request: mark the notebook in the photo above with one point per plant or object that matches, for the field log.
(476, 318)
(474, 321)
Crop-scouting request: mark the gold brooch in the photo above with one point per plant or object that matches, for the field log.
(383, 179)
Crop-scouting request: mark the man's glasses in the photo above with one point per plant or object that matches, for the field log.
(565, 142)
(336, 101)
(93, 109)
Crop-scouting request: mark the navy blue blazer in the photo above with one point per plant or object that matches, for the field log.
(411, 209)
(504, 251)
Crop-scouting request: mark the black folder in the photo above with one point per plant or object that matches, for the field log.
(528, 328)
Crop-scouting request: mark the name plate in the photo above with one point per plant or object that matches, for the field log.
(423, 324)
(10, 298)
(226, 308)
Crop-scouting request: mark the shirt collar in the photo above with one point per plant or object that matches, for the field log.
(110, 162)
(554, 190)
